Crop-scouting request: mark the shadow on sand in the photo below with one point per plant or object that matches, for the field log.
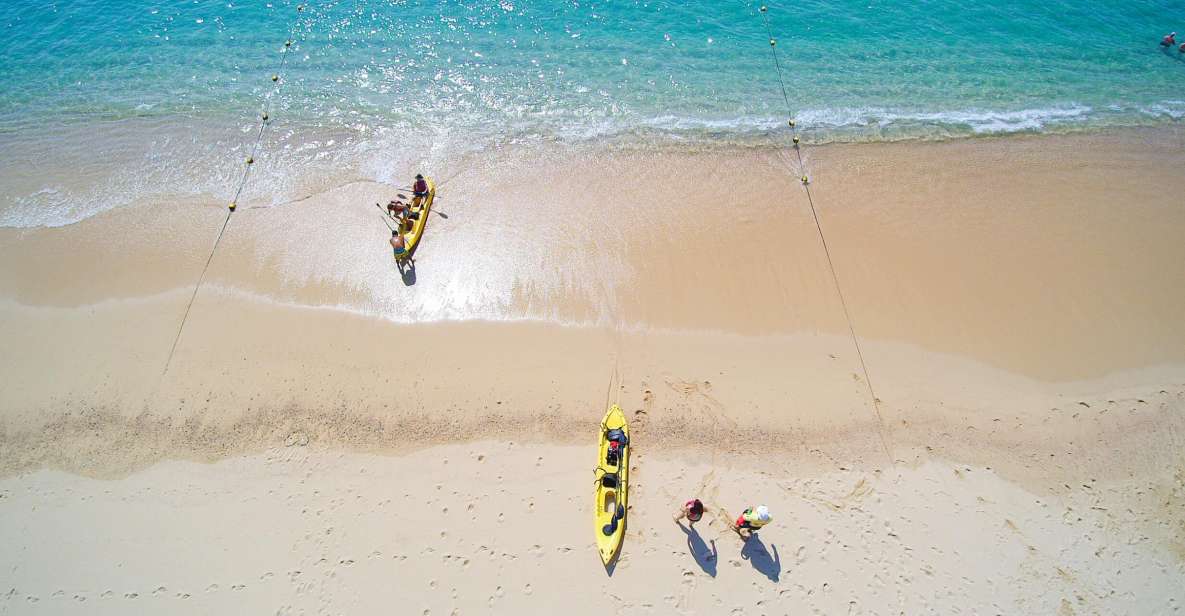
(407, 271)
(755, 552)
(705, 558)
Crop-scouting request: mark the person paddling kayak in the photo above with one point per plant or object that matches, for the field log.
(419, 190)
(396, 209)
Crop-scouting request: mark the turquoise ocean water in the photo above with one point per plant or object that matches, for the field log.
(104, 103)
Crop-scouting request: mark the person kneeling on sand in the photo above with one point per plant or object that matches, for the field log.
(752, 519)
(693, 510)
(397, 242)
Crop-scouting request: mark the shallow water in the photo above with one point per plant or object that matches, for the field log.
(108, 103)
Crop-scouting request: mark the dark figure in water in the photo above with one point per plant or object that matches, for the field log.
(1169, 40)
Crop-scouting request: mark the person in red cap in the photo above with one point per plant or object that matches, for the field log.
(1169, 40)
(693, 510)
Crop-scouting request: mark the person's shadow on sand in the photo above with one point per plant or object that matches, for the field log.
(407, 272)
(706, 559)
(755, 552)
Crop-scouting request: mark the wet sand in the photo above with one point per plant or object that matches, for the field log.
(1017, 303)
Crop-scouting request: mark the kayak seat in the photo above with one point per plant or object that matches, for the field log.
(616, 434)
(609, 480)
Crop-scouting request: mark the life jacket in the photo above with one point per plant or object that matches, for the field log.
(613, 454)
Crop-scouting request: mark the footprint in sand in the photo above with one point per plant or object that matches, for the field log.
(527, 589)
(160, 590)
(131, 595)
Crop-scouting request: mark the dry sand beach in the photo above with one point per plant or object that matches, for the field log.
(333, 437)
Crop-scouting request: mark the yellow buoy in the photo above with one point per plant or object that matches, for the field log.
(287, 43)
(791, 123)
(299, 8)
(265, 116)
(232, 206)
(795, 139)
(772, 42)
(275, 77)
(250, 160)
(763, 9)
(804, 180)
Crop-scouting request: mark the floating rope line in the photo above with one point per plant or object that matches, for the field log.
(264, 122)
(773, 48)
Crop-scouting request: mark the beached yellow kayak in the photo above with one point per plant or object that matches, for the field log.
(612, 480)
(412, 238)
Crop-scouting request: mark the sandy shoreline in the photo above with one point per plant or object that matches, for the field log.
(1018, 303)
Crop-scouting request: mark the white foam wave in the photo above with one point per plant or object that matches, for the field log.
(167, 158)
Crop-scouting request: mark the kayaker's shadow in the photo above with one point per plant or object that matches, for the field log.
(705, 558)
(755, 552)
(407, 271)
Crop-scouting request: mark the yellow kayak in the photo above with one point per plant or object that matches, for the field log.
(424, 209)
(612, 478)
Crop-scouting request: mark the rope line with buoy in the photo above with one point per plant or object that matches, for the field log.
(264, 122)
(801, 172)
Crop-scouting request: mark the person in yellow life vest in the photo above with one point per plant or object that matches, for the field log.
(753, 519)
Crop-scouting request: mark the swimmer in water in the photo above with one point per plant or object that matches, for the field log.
(1169, 40)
